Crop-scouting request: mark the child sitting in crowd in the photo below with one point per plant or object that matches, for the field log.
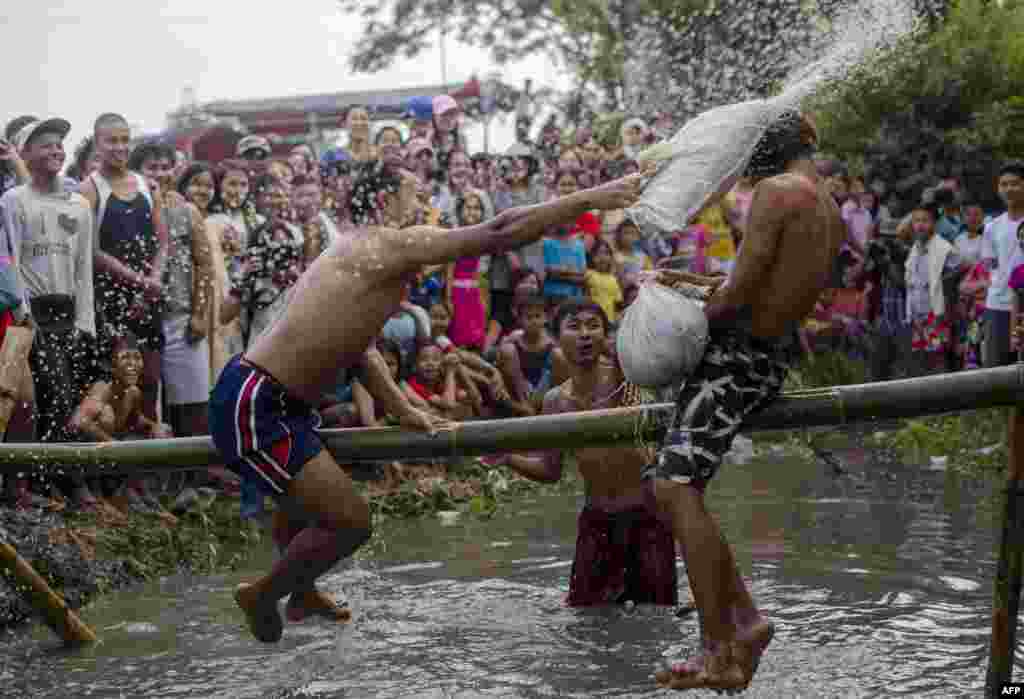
(529, 359)
(112, 411)
(432, 384)
(481, 380)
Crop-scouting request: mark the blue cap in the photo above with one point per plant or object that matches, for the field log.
(420, 108)
(335, 155)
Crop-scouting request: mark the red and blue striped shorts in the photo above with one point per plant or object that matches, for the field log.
(265, 435)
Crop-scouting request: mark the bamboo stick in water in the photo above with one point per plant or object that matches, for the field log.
(54, 610)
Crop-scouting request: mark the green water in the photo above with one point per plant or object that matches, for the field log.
(879, 581)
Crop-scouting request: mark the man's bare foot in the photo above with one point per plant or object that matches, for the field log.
(316, 603)
(730, 668)
(262, 615)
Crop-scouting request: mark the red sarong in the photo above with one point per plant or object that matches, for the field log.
(623, 556)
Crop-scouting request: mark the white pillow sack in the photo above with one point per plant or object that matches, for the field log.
(662, 337)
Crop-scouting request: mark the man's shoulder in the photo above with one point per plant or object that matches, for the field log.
(789, 189)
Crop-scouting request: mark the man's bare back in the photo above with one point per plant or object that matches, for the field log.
(794, 234)
(338, 308)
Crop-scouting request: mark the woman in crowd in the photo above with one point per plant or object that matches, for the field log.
(303, 160)
(358, 124)
(230, 230)
(602, 284)
(464, 296)
(269, 267)
(390, 147)
(459, 179)
(447, 137)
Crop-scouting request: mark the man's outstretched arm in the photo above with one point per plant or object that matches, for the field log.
(421, 246)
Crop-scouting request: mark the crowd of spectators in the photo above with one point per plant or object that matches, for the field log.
(142, 273)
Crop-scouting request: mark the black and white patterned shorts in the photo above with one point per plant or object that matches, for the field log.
(738, 376)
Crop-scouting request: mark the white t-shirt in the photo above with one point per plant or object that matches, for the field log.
(999, 243)
(969, 249)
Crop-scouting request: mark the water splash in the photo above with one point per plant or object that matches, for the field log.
(710, 153)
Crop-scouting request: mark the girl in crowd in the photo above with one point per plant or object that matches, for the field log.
(360, 408)
(86, 160)
(432, 385)
(358, 124)
(447, 138)
(567, 181)
(196, 184)
(630, 261)
(565, 256)
(481, 380)
(464, 295)
(230, 228)
(602, 284)
(389, 144)
(459, 180)
(419, 159)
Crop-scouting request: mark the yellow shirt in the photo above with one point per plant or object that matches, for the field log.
(604, 289)
(721, 247)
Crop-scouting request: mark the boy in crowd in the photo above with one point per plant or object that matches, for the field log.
(46, 233)
(528, 356)
(998, 250)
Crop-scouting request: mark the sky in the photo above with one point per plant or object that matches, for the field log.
(137, 58)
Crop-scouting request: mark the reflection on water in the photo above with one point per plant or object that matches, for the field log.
(880, 584)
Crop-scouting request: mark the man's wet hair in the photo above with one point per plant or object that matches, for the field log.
(125, 342)
(369, 184)
(150, 150)
(792, 136)
(107, 120)
(575, 306)
(1012, 167)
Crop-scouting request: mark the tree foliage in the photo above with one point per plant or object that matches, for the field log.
(589, 37)
(958, 77)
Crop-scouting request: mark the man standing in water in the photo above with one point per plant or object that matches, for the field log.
(261, 417)
(623, 551)
(793, 235)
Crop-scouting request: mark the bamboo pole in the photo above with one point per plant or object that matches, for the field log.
(1007, 587)
(839, 405)
(54, 610)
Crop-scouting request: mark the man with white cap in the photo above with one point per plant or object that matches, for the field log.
(253, 147)
(46, 234)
